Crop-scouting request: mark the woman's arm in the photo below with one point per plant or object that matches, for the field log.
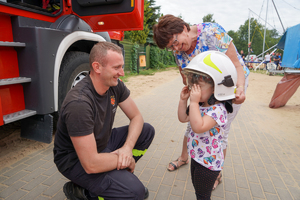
(239, 95)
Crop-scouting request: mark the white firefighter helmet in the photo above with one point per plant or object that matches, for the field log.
(219, 67)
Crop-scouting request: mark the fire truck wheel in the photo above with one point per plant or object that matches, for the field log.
(74, 67)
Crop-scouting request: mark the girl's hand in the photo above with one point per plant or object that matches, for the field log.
(195, 93)
(185, 93)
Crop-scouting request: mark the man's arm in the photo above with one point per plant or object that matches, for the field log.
(239, 95)
(134, 130)
(90, 159)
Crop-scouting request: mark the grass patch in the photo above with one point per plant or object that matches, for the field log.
(146, 72)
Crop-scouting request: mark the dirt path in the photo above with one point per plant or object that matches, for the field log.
(260, 91)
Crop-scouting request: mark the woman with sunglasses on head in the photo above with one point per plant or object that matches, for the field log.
(188, 41)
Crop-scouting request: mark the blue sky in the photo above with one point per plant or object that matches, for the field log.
(233, 13)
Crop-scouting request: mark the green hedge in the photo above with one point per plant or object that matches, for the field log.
(160, 58)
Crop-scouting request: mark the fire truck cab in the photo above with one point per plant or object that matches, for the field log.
(44, 52)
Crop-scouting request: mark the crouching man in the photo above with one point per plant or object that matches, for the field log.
(97, 159)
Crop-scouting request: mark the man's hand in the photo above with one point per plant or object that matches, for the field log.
(195, 93)
(239, 96)
(124, 157)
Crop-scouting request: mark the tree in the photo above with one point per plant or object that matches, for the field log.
(240, 38)
(141, 36)
(151, 15)
(155, 10)
(208, 18)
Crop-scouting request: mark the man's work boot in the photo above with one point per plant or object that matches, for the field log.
(74, 192)
(146, 193)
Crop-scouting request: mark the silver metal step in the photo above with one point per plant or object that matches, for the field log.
(18, 115)
(292, 71)
(12, 44)
(10, 81)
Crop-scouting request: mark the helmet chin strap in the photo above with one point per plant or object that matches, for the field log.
(227, 103)
(212, 100)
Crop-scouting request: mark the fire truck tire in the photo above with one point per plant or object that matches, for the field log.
(74, 67)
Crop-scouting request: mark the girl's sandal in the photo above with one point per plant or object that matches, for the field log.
(219, 181)
(177, 165)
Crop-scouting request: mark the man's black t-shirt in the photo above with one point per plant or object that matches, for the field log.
(84, 112)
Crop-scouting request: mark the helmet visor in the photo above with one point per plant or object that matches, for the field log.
(194, 77)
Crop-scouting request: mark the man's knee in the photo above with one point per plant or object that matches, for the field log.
(148, 132)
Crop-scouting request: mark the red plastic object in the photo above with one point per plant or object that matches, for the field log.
(1, 115)
(12, 98)
(285, 89)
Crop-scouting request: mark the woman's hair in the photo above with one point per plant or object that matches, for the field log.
(167, 26)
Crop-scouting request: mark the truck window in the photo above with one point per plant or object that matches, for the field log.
(47, 7)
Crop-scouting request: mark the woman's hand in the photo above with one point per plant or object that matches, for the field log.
(195, 93)
(239, 95)
(185, 93)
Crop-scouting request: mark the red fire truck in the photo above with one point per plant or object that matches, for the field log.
(44, 52)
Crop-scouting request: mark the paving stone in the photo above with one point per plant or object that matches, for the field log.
(33, 159)
(11, 189)
(271, 196)
(248, 164)
(35, 165)
(267, 186)
(50, 171)
(52, 179)
(163, 192)
(33, 183)
(2, 171)
(59, 195)
(153, 163)
(15, 178)
(230, 185)
(168, 179)
(277, 181)
(21, 161)
(256, 190)
(35, 192)
(231, 196)
(295, 191)
(271, 169)
(178, 188)
(37, 172)
(189, 195)
(288, 179)
(48, 165)
(15, 170)
(3, 178)
(160, 171)
(182, 173)
(244, 194)
(55, 188)
(252, 176)
(228, 172)
(154, 183)
(283, 194)
(146, 174)
(241, 181)
(17, 195)
(239, 169)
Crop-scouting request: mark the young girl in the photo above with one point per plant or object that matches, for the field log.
(211, 86)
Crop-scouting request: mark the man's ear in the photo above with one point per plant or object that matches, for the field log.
(97, 67)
